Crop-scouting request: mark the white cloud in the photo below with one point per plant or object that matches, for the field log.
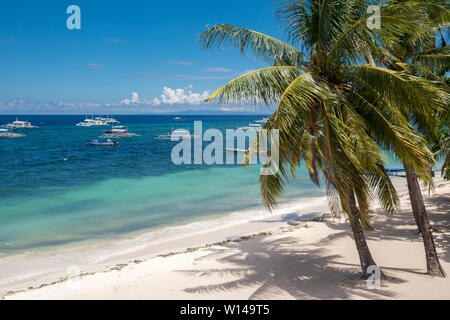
(182, 63)
(175, 100)
(156, 102)
(134, 99)
(175, 96)
(169, 96)
(217, 69)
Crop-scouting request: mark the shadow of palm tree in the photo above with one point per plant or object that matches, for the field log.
(281, 266)
(439, 212)
(276, 266)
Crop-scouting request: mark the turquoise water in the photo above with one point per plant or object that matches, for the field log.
(102, 192)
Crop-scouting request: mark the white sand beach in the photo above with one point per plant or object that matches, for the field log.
(277, 258)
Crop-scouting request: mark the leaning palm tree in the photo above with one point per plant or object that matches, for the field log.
(442, 143)
(415, 54)
(332, 112)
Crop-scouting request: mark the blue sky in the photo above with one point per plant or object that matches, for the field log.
(129, 56)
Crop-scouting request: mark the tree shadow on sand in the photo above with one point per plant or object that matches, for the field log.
(281, 267)
(278, 267)
(439, 211)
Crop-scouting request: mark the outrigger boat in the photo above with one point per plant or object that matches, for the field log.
(110, 120)
(98, 121)
(396, 172)
(251, 126)
(19, 125)
(263, 120)
(91, 123)
(178, 119)
(255, 125)
(117, 129)
(176, 135)
(6, 134)
(118, 132)
(106, 143)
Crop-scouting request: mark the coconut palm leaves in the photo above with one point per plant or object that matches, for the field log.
(311, 94)
(265, 85)
(263, 47)
(333, 112)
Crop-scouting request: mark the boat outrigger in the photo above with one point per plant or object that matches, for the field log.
(19, 125)
(255, 125)
(117, 129)
(118, 132)
(396, 172)
(106, 143)
(7, 134)
(178, 119)
(176, 135)
(98, 121)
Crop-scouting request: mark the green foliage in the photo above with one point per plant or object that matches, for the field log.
(334, 112)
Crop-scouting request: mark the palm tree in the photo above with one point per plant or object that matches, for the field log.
(441, 145)
(414, 53)
(333, 112)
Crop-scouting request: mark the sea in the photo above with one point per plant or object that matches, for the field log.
(57, 189)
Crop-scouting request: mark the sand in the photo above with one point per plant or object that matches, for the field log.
(280, 258)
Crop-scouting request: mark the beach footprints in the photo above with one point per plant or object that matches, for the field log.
(73, 277)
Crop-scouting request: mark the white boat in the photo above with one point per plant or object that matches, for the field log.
(117, 129)
(118, 135)
(176, 135)
(85, 123)
(104, 143)
(252, 126)
(19, 125)
(178, 119)
(263, 120)
(118, 132)
(109, 120)
(92, 122)
(6, 134)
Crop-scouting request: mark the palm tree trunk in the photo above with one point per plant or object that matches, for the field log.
(434, 268)
(365, 257)
(415, 195)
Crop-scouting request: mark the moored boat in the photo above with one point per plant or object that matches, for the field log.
(93, 122)
(107, 143)
(178, 119)
(263, 120)
(176, 135)
(252, 126)
(6, 134)
(19, 125)
(117, 129)
(110, 120)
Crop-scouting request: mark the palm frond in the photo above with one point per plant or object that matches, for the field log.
(260, 86)
(263, 47)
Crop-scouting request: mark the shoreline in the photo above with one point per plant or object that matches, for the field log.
(271, 226)
(102, 255)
